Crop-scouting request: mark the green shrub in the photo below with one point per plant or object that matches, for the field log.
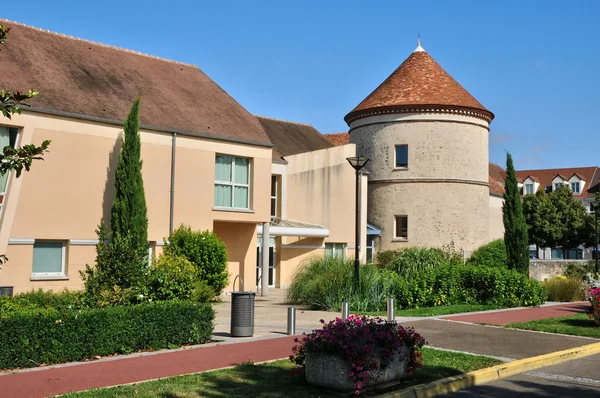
(565, 288)
(175, 277)
(30, 338)
(120, 266)
(326, 282)
(203, 249)
(580, 270)
(412, 260)
(40, 300)
(468, 284)
(492, 254)
(385, 257)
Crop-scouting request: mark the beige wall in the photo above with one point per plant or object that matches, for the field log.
(240, 240)
(443, 191)
(496, 221)
(65, 197)
(319, 189)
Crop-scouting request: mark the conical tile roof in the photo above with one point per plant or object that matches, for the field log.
(419, 84)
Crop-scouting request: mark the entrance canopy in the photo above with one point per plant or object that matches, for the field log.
(280, 227)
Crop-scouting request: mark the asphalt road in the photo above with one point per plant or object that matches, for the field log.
(576, 378)
(533, 386)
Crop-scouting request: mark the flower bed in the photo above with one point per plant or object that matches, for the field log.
(358, 352)
(595, 300)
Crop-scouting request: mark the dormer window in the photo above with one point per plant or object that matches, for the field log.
(557, 185)
(528, 189)
(575, 187)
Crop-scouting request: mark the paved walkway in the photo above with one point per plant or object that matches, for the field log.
(504, 317)
(269, 343)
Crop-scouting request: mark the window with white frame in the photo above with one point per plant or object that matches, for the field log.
(528, 189)
(48, 258)
(370, 249)
(575, 187)
(8, 137)
(232, 182)
(401, 156)
(337, 250)
(557, 185)
(401, 227)
(274, 196)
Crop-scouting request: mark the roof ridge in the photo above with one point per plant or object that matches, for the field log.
(98, 43)
(557, 169)
(283, 120)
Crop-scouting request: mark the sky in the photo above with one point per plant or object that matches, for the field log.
(534, 64)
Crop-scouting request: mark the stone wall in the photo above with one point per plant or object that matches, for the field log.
(546, 269)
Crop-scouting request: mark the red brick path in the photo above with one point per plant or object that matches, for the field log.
(48, 381)
(523, 315)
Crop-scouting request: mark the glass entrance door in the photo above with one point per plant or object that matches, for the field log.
(272, 261)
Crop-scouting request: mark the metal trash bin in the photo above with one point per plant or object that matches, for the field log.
(242, 314)
(6, 291)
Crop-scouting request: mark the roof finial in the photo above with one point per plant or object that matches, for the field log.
(419, 48)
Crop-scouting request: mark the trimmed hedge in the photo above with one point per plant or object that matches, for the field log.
(30, 338)
(467, 284)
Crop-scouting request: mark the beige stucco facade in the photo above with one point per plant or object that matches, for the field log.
(318, 187)
(64, 197)
(443, 191)
(496, 221)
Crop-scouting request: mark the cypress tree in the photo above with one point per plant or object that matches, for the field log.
(515, 226)
(128, 215)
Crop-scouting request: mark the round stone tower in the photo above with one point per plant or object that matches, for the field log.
(427, 139)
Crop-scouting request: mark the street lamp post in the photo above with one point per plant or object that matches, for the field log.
(596, 228)
(357, 163)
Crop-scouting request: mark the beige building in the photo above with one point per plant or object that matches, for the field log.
(207, 163)
(427, 139)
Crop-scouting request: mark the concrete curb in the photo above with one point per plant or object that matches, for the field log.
(476, 377)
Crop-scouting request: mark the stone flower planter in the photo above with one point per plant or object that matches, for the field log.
(331, 371)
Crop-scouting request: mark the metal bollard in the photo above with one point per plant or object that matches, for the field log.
(390, 309)
(345, 310)
(291, 322)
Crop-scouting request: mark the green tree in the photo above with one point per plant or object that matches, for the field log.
(515, 227)
(540, 217)
(129, 215)
(572, 222)
(122, 251)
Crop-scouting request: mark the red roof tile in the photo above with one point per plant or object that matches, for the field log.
(419, 81)
(497, 173)
(79, 77)
(338, 139)
(495, 188)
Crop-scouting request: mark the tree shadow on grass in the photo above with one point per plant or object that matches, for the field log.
(580, 323)
(272, 380)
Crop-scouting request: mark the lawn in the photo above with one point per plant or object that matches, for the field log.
(440, 310)
(274, 379)
(577, 325)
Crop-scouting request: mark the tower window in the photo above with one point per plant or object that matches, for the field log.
(401, 156)
(401, 227)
